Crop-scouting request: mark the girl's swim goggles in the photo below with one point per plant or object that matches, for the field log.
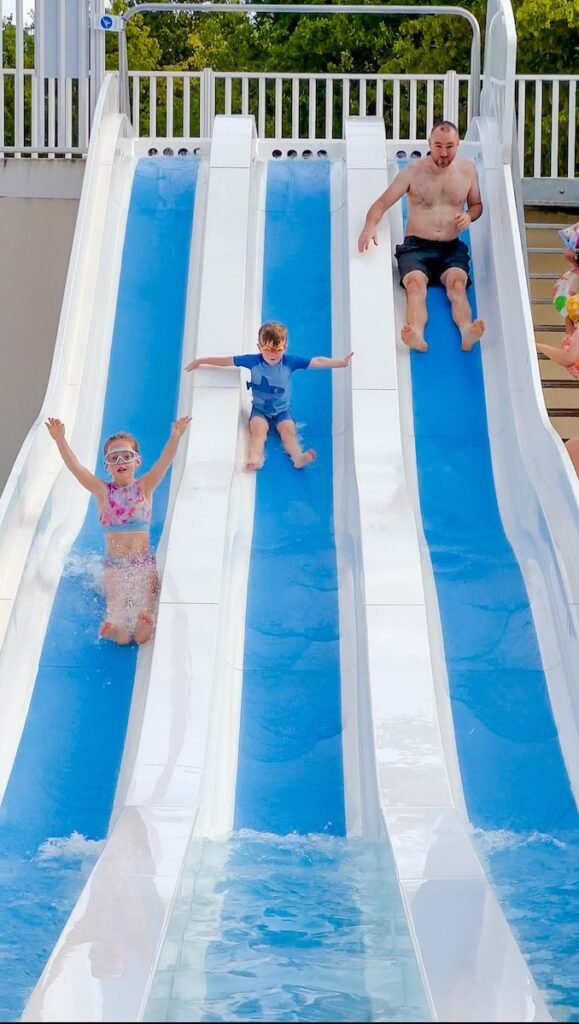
(120, 456)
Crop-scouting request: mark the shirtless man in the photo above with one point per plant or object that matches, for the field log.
(438, 186)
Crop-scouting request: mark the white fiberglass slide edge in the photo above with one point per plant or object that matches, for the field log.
(32, 473)
(42, 506)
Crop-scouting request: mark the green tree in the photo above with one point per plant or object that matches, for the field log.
(143, 49)
(548, 36)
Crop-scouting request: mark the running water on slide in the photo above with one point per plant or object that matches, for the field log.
(58, 801)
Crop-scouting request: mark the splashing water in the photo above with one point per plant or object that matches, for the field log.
(37, 894)
(536, 880)
(294, 928)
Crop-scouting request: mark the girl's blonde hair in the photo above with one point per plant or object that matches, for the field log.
(122, 435)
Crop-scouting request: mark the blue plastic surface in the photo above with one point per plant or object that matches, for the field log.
(290, 771)
(512, 768)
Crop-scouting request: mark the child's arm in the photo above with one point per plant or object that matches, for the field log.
(210, 361)
(325, 363)
(82, 474)
(153, 477)
(563, 356)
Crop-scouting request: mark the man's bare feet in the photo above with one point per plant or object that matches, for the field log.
(144, 627)
(304, 459)
(472, 334)
(254, 462)
(119, 635)
(413, 339)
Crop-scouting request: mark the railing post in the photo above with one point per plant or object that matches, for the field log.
(207, 103)
(38, 124)
(450, 102)
(19, 81)
(96, 58)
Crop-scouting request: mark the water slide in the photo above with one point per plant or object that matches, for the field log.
(365, 668)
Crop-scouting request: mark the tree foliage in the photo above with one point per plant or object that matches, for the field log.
(548, 40)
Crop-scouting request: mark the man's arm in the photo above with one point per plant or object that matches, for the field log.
(326, 363)
(473, 200)
(157, 471)
(474, 206)
(393, 193)
(84, 476)
(210, 361)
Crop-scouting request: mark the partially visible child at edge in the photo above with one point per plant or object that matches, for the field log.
(270, 384)
(572, 446)
(125, 504)
(566, 302)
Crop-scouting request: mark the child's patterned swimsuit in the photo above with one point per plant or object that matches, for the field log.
(125, 509)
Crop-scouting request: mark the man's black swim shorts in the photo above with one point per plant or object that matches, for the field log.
(432, 258)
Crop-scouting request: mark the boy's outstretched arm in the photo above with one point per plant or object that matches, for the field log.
(326, 363)
(83, 475)
(210, 361)
(155, 474)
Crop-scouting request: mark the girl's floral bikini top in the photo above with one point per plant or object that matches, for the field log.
(125, 509)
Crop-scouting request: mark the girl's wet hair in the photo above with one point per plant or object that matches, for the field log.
(121, 436)
(272, 334)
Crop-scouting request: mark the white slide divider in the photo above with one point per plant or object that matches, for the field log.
(471, 965)
(103, 964)
(363, 813)
(35, 535)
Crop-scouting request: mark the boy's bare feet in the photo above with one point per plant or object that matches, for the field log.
(144, 627)
(254, 462)
(413, 339)
(119, 635)
(472, 334)
(304, 459)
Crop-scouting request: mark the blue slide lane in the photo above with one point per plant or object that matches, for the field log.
(65, 774)
(290, 772)
(312, 924)
(511, 763)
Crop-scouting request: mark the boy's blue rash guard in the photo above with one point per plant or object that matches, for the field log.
(271, 385)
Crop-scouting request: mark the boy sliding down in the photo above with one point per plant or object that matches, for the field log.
(270, 386)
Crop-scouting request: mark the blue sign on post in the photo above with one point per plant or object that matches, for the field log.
(108, 22)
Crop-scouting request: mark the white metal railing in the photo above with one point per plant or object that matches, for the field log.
(548, 141)
(42, 115)
(294, 105)
(179, 104)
